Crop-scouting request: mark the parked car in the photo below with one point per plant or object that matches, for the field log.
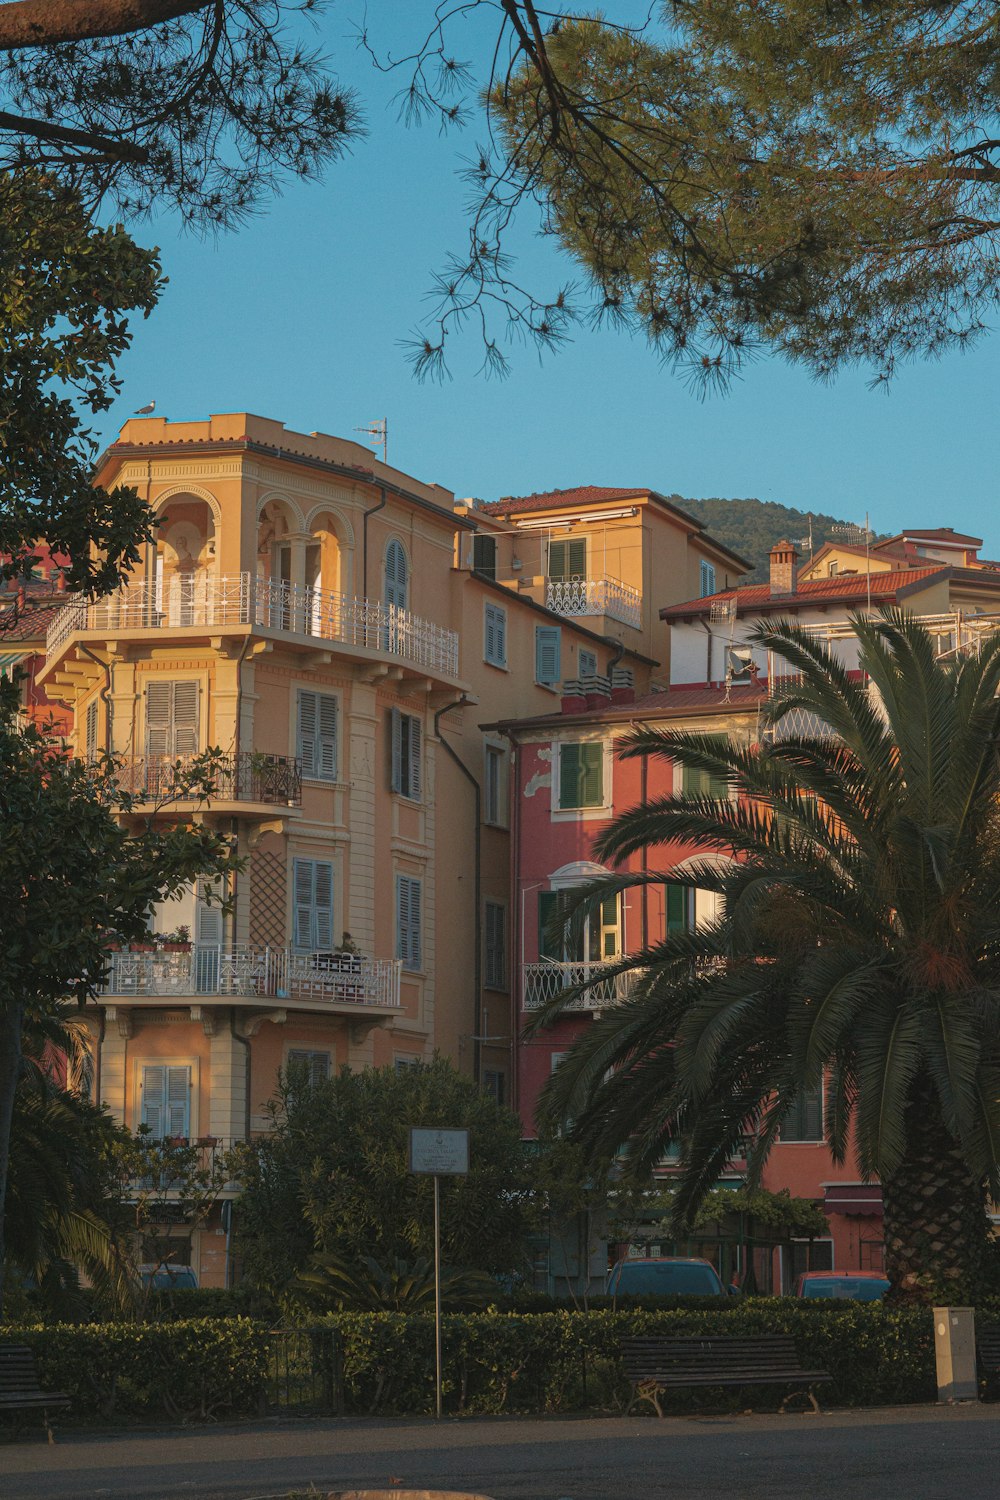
(664, 1276)
(168, 1278)
(858, 1286)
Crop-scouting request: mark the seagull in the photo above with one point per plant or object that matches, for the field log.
(145, 411)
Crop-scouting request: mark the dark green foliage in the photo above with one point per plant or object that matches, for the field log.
(333, 1281)
(751, 528)
(66, 290)
(186, 1370)
(332, 1176)
(858, 944)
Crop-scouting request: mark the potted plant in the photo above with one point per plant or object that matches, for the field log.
(178, 941)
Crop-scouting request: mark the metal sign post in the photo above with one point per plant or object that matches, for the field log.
(437, 1154)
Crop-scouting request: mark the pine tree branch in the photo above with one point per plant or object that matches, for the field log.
(46, 130)
(42, 23)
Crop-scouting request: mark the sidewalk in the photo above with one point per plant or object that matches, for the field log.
(920, 1453)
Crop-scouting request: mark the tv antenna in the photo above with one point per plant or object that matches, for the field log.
(806, 541)
(378, 431)
(855, 536)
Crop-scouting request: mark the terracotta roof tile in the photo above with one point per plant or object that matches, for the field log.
(855, 586)
(584, 494)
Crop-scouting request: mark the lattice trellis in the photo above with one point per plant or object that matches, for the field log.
(267, 899)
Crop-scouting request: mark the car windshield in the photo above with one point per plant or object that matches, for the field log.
(859, 1290)
(651, 1278)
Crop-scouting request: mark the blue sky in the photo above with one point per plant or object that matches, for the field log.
(299, 316)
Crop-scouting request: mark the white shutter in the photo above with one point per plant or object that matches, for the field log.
(178, 1090)
(414, 766)
(154, 1100)
(326, 761)
(187, 736)
(159, 717)
(90, 734)
(307, 733)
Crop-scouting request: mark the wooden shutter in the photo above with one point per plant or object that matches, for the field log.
(547, 654)
(153, 1100)
(414, 765)
(322, 905)
(306, 733)
(326, 760)
(547, 948)
(677, 908)
(587, 663)
(172, 718)
(187, 739)
(496, 946)
(592, 775)
(408, 921)
(496, 635)
(395, 575)
(396, 753)
(312, 894)
(178, 1101)
(159, 717)
(317, 1064)
(569, 774)
(90, 733)
(302, 897)
(568, 559)
(484, 555)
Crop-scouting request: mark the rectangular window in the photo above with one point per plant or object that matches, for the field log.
(581, 774)
(405, 1064)
(317, 735)
(165, 1105)
(804, 1121)
(90, 731)
(493, 1084)
(555, 1058)
(707, 578)
(810, 1255)
(678, 907)
(495, 965)
(587, 663)
(484, 555)
(598, 939)
(495, 635)
(405, 773)
(548, 652)
(173, 724)
(698, 783)
(568, 559)
(494, 803)
(316, 1064)
(408, 921)
(312, 881)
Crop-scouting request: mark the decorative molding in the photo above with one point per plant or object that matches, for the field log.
(197, 493)
(122, 1018)
(252, 1024)
(358, 1031)
(208, 1017)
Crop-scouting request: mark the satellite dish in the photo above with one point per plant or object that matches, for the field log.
(739, 660)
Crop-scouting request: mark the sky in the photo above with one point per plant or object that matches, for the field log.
(300, 316)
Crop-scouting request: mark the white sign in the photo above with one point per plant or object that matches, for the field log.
(439, 1153)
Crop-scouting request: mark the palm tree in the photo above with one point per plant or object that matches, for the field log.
(859, 943)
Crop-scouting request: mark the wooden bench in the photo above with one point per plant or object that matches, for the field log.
(655, 1364)
(988, 1351)
(19, 1388)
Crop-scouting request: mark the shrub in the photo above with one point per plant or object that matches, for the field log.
(201, 1368)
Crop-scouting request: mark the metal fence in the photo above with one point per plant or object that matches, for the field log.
(304, 1372)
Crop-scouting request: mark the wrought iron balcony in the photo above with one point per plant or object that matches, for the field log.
(242, 599)
(248, 777)
(543, 981)
(240, 970)
(595, 596)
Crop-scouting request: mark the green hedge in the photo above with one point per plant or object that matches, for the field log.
(198, 1369)
(494, 1362)
(568, 1361)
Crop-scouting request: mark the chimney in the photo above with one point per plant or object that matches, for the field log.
(622, 685)
(784, 568)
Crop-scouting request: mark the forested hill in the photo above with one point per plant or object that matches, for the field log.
(751, 527)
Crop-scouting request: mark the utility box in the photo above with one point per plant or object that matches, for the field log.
(955, 1353)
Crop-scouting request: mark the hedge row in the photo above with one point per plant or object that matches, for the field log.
(494, 1362)
(198, 1369)
(569, 1361)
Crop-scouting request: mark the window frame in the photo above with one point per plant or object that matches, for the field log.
(495, 976)
(568, 542)
(166, 1066)
(807, 1099)
(406, 762)
(494, 800)
(554, 633)
(316, 942)
(707, 578)
(410, 931)
(586, 671)
(321, 740)
(309, 1056)
(588, 931)
(583, 809)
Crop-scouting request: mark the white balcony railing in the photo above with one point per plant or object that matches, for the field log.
(242, 599)
(269, 973)
(595, 596)
(545, 980)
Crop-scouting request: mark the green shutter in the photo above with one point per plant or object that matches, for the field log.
(569, 774)
(546, 911)
(581, 774)
(677, 908)
(701, 783)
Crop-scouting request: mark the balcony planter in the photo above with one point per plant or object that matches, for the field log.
(174, 947)
(207, 1140)
(142, 947)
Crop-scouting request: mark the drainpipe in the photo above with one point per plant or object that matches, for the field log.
(477, 1030)
(364, 545)
(245, 1044)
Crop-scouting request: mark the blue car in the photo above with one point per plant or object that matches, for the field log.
(855, 1286)
(665, 1276)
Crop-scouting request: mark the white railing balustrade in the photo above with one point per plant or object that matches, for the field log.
(244, 600)
(595, 596)
(242, 970)
(543, 981)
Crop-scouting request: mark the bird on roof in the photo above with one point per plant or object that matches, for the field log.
(145, 411)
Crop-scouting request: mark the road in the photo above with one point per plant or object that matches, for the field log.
(913, 1453)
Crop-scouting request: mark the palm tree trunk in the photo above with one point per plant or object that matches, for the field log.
(938, 1238)
(11, 1022)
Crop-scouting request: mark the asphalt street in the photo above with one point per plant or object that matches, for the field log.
(916, 1453)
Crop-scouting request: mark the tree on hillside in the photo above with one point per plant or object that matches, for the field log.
(332, 1176)
(859, 944)
(751, 527)
(71, 875)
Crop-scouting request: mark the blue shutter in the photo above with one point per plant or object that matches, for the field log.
(408, 921)
(307, 733)
(548, 640)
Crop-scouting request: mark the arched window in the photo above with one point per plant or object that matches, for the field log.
(395, 575)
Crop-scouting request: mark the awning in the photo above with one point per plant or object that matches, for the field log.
(9, 659)
(862, 1199)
